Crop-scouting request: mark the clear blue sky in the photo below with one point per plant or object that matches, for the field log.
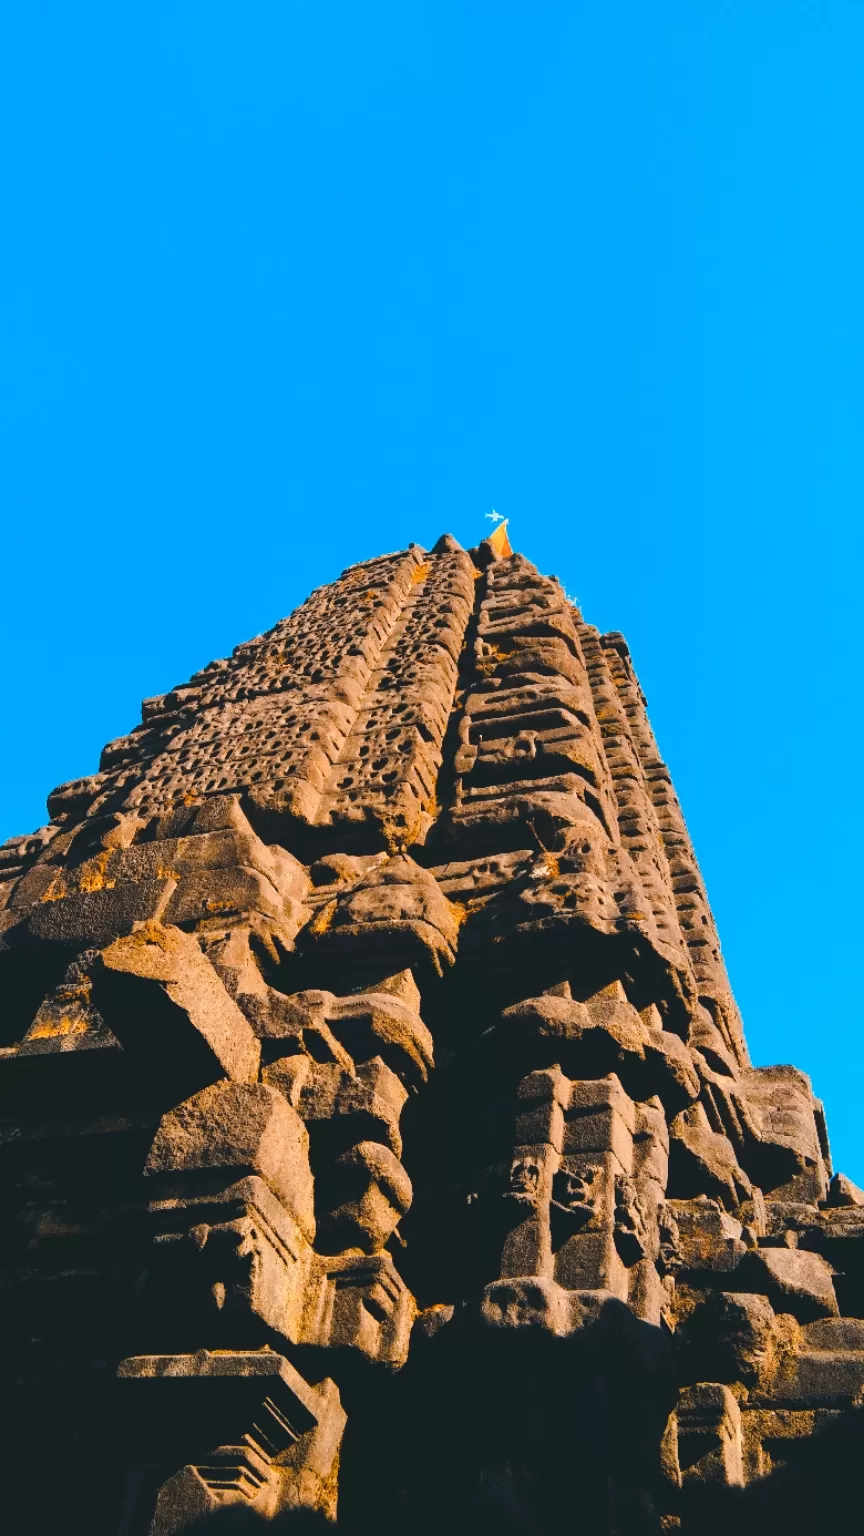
(287, 284)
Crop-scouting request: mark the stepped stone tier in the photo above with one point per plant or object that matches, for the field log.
(379, 1140)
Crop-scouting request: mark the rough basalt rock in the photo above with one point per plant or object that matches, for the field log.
(378, 1140)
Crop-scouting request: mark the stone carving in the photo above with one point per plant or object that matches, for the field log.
(368, 1063)
(285, 1436)
(574, 1193)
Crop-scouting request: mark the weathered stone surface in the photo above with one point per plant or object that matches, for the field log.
(794, 1281)
(396, 911)
(842, 1192)
(245, 1128)
(283, 1452)
(160, 993)
(366, 1039)
(708, 1424)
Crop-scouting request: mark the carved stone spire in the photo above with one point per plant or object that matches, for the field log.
(370, 1072)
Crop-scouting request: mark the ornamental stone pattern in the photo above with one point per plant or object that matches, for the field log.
(378, 1139)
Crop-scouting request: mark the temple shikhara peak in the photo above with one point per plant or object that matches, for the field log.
(380, 1146)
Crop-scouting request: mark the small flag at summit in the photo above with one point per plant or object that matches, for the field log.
(499, 540)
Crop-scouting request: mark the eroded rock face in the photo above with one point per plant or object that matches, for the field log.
(379, 1142)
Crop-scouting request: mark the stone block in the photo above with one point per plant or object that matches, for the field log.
(360, 1303)
(793, 1280)
(275, 1439)
(370, 1194)
(709, 1436)
(227, 1256)
(160, 995)
(96, 918)
(239, 1128)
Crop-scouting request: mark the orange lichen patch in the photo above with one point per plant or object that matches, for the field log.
(459, 912)
(54, 1024)
(684, 1303)
(323, 918)
(491, 657)
(396, 837)
(93, 875)
(149, 933)
(420, 572)
(90, 876)
(399, 834)
(552, 864)
(65, 1012)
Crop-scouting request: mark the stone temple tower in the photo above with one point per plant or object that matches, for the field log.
(378, 1140)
